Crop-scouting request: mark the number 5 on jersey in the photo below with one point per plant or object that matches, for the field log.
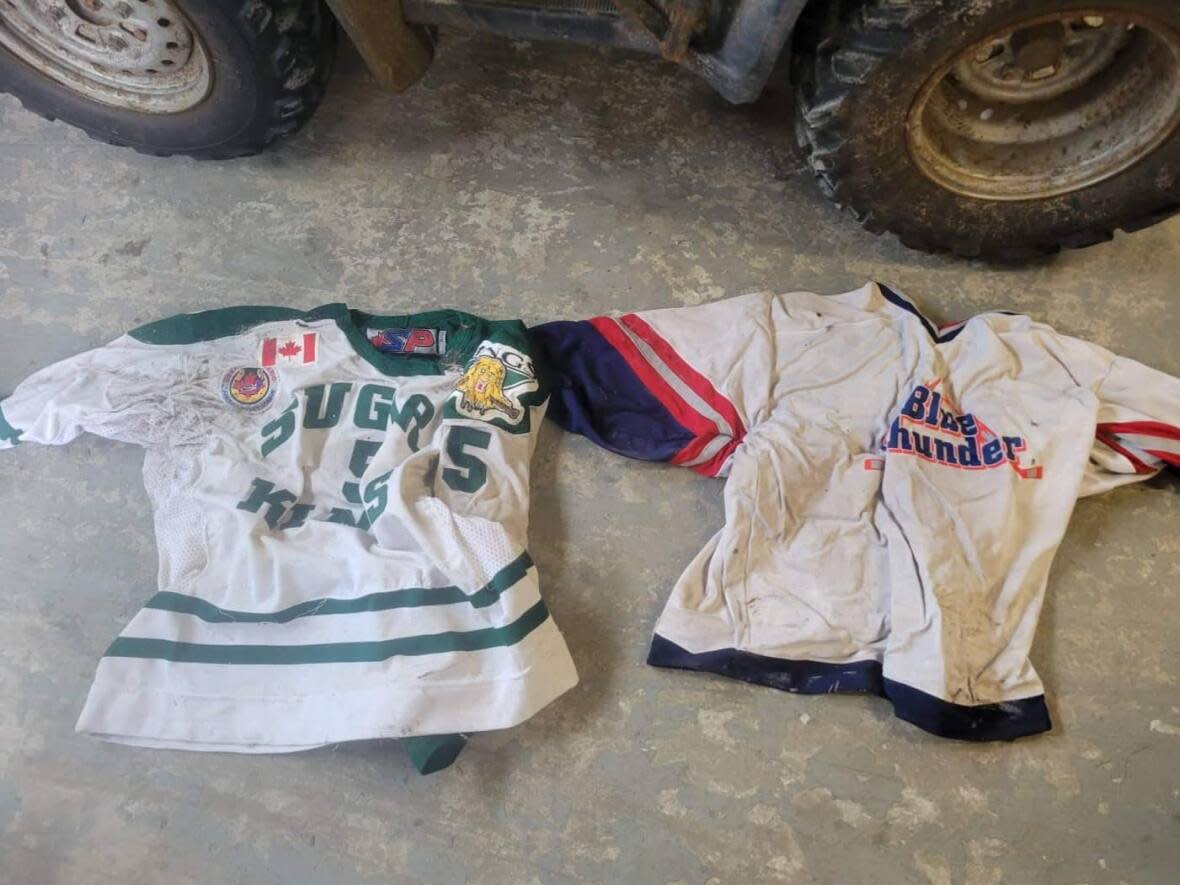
(469, 473)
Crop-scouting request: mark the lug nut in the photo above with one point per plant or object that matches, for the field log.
(987, 53)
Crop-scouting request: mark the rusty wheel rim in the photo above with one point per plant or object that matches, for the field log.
(1051, 106)
(141, 55)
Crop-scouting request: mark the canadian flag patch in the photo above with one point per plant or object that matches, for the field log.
(297, 350)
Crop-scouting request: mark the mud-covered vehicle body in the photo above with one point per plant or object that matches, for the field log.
(996, 128)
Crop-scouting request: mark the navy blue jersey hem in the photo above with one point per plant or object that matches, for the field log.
(1003, 721)
(801, 677)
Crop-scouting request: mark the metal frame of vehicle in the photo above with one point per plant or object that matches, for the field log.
(731, 44)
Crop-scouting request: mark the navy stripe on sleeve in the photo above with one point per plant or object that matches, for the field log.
(592, 391)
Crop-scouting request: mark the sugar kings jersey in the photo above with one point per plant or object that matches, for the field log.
(341, 509)
(896, 491)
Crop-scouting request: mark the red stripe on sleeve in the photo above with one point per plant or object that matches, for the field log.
(694, 448)
(1168, 457)
(698, 383)
(1111, 442)
(713, 466)
(1142, 428)
(269, 348)
(669, 398)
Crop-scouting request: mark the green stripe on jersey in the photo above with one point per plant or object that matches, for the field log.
(374, 602)
(489, 594)
(332, 652)
(189, 328)
(411, 597)
(8, 433)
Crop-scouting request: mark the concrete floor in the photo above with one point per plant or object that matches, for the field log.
(542, 182)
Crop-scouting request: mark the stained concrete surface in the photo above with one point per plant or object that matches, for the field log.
(544, 182)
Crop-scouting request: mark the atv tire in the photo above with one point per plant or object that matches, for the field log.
(864, 67)
(265, 64)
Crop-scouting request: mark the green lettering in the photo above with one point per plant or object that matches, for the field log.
(276, 501)
(343, 516)
(417, 411)
(363, 451)
(298, 517)
(377, 408)
(319, 416)
(376, 497)
(283, 428)
(374, 407)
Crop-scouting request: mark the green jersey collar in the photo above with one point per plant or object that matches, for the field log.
(464, 332)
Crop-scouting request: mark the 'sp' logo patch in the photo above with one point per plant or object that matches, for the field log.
(404, 342)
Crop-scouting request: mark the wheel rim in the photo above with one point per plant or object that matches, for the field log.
(1051, 106)
(141, 55)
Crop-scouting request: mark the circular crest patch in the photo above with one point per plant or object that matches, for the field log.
(248, 388)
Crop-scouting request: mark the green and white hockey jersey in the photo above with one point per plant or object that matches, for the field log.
(341, 508)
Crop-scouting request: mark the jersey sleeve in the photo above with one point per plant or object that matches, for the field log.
(1137, 429)
(679, 385)
(125, 390)
(1138, 432)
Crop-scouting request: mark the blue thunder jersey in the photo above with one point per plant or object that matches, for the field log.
(895, 494)
(341, 508)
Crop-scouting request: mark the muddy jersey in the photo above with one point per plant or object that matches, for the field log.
(341, 509)
(895, 492)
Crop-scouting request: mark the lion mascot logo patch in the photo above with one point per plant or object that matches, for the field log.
(492, 385)
(482, 386)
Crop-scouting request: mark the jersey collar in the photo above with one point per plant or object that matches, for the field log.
(941, 334)
(463, 331)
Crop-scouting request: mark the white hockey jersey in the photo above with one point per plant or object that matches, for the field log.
(895, 494)
(341, 509)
